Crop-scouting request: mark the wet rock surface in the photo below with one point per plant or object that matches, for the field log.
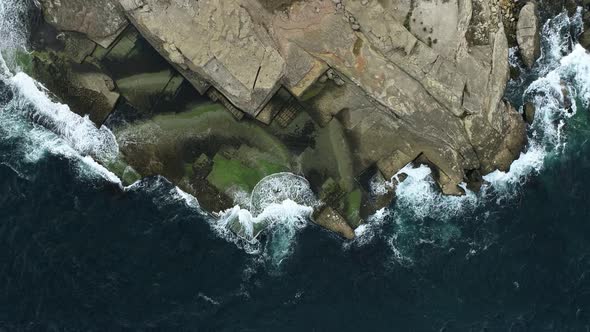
(217, 95)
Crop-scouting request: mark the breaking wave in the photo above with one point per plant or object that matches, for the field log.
(281, 204)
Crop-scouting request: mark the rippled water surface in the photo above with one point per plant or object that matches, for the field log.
(80, 252)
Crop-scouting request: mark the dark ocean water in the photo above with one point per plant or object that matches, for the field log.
(80, 253)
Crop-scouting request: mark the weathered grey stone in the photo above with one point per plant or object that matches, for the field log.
(141, 89)
(101, 20)
(389, 166)
(84, 87)
(529, 112)
(202, 166)
(421, 91)
(332, 220)
(77, 47)
(104, 87)
(527, 33)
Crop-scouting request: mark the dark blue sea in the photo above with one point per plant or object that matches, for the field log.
(81, 252)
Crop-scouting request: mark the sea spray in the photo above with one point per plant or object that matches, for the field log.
(280, 205)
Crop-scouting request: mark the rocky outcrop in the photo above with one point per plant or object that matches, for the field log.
(585, 38)
(367, 86)
(423, 89)
(100, 20)
(528, 35)
(102, 87)
(85, 88)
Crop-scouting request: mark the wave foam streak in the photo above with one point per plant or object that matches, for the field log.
(79, 132)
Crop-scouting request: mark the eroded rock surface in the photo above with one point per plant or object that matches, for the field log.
(340, 89)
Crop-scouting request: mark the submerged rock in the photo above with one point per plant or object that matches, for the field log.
(529, 112)
(332, 220)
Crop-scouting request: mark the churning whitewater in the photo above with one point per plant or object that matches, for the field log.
(562, 73)
(33, 124)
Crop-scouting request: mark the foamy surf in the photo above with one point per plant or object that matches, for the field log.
(80, 133)
(280, 206)
(36, 125)
(421, 214)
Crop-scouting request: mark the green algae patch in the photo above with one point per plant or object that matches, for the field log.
(188, 170)
(24, 61)
(238, 172)
(353, 207)
(268, 168)
(227, 173)
(125, 172)
(196, 110)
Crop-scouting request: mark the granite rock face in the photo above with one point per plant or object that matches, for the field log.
(528, 35)
(381, 83)
(100, 20)
(418, 74)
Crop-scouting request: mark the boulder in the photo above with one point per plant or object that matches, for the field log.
(528, 35)
(202, 166)
(218, 41)
(102, 89)
(391, 165)
(85, 88)
(100, 20)
(77, 47)
(529, 112)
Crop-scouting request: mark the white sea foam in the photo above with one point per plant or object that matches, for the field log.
(14, 27)
(280, 205)
(190, 200)
(284, 207)
(563, 74)
(72, 136)
(80, 133)
(418, 192)
(281, 222)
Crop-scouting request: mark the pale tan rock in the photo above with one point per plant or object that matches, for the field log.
(390, 166)
(105, 98)
(217, 40)
(527, 34)
(100, 20)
